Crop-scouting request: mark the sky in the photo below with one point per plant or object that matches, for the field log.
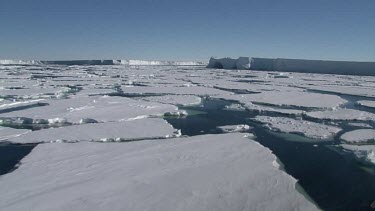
(187, 29)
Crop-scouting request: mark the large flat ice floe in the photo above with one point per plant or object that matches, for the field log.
(289, 98)
(101, 109)
(342, 114)
(361, 136)
(105, 132)
(179, 100)
(6, 133)
(301, 127)
(187, 90)
(367, 103)
(210, 172)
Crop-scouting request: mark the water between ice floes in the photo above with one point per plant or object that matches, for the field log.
(334, 180)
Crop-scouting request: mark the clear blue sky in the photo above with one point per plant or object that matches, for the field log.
(187, 29)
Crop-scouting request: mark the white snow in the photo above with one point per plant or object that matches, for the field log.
(342, 114)
(108, 131)
(4, 107)
(359, 136)
(211, 172)
(179, 100)
(301, 127)
(101, 109)
(6, 133)
(288, 98)
(188, 90)
(358, 124)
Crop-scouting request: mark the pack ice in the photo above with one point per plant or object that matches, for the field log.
(209, 172)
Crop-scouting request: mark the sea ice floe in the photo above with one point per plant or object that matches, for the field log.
(289, 98)
(18, 105)
(359, 124)
(183, 90)
(179, 100)
(367, 103)
(210, 172)
(342, 114)
(298, 126)
(362, 152)
(101, 109)
(6, 133)
(361, 136)
(108, 131)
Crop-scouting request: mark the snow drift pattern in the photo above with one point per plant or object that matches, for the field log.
(295, 65)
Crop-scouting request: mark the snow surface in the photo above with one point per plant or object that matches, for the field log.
(359, 136)
(301, 127)
(210, 172)
(101, 109)
(288, 98)
(108, 131)
(6, 133)
(179, 100)
(189, 90)
(342, 114)
(358, 124)
(367, 103)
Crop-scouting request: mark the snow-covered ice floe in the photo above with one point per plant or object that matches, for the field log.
(367, 103)
(6, 133)
(359, 124)
(361, 136)
(342, 114)
(288, 98)
(300, 127)
(209, 172)
(104, 132)
(363, 152)
(100, 109)
(179, 100)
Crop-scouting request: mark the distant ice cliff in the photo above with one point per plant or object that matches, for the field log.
(102, 62)
(295, 65)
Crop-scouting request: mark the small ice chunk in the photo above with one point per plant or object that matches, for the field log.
(234, 128)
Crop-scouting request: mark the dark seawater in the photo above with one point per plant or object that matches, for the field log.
(11, 154)
(334, 180)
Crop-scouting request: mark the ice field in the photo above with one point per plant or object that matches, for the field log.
(170, 136)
